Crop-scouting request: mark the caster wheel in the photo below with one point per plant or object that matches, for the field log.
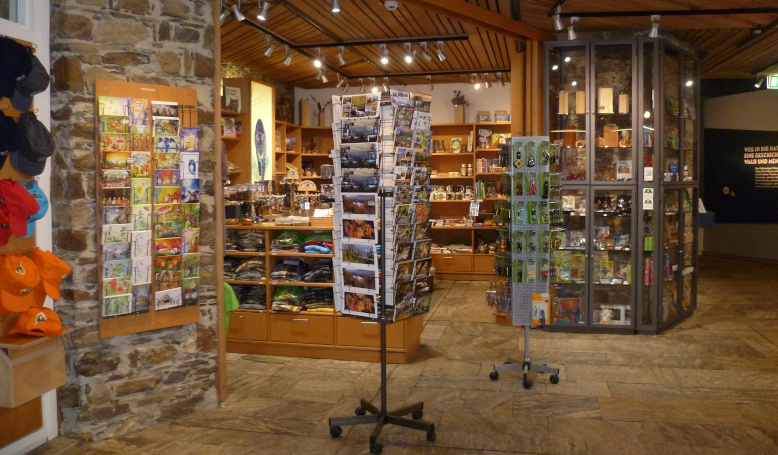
(494, 375)
(554, 379)
(335, 432)
(360, 411)
(527, 384)
(431, 436)
(376, 448)
(417, 414)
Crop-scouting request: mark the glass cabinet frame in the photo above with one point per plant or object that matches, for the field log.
(662, 159)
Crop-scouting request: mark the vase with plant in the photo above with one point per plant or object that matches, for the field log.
(459, 103)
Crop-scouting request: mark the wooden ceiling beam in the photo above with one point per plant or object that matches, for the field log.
(374, 42)
(469, 13)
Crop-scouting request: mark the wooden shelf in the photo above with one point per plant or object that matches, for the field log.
(244, 253)
(323, 155)
(465, 227)
(483, 174)
(461, 201)
(230, 138)
(251, 283)
(229, 113)
(306, 313)
(298, 254)
(451, 154)
(487, 150)
(437, 177)
(300, 283)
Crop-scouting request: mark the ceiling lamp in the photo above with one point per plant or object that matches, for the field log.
(689, 83)
(236, 12)
(341, 82)
(487, 84)
(571, 35)
(475, 81)
(759, 82)
(386, 84)
(385, 54)
(317, 62)
(269, 50)
(410, 54)
(222, 14)
(341, 60)
(654, 33)
(263, 7)
(426, 56)
(439, 51)
(345, 87)
(362, 85)
(558, 25)
(335, 6)
(374, 89)
(431, 86)
(502, 81)
(288, 58)
(323, 77)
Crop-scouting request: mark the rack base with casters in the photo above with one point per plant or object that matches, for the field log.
(527, 365)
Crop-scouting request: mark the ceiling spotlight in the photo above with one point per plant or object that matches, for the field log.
(500, 78)
(555, 67)
(574, 83)
(759, 82)
(427, 57)
(410, 54)
(431, 86)
(362, 85)
(654, 33)
(385, 54)
(288, 58)
(689, 83)
(236, 12)
(571, 35)
(324, 79)
(340, 81)
(341, 60)
(345, 88)
(439, 51)
(263, 7)
(487, 84)
(222, 14)
(647, 114)
(335, 6)
(375, 88)
(558, 25)
(317, 62)
(269, 50)
(567, 59)
(385, 85)
(475, 81)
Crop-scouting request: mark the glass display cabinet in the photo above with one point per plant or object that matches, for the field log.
(623, 114)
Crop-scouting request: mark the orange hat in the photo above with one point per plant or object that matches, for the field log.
(39, 322)
(18, 278)
(52, 270)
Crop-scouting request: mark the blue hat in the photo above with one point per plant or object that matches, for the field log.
(43, 201)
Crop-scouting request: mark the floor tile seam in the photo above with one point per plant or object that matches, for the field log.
(242, 430)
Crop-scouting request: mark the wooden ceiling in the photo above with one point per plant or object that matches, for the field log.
(491, 30)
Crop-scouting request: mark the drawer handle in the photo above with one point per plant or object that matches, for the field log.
(371, 323)
(448, 257)
(302, 320)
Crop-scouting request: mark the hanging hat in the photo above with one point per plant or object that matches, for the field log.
(36, 192)
(18, 277)
(16, 206)
(35, 147)
(39, 322)
(36, 81)
(17, 63)
(52, 269)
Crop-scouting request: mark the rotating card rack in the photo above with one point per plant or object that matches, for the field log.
(534, 207)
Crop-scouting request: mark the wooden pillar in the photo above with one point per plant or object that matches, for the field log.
(517, 93)
(535, 75)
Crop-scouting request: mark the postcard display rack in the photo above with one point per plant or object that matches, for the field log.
(148, 206)
(534, 206)
(382, 171)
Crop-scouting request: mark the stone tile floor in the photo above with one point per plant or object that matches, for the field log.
(706, 386)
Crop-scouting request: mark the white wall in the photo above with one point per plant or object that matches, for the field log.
(494, 99)
(758, 111)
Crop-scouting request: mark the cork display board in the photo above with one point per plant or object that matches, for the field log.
(148, 210)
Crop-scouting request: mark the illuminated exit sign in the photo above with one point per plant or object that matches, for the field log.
(772, 81)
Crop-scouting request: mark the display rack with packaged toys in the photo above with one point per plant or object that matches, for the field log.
(534, 206)
(624, 114)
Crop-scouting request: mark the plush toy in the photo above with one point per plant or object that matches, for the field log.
(606, 316)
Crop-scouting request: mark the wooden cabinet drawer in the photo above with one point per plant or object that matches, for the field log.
(483, 264)
(452, 262)
(247, 325)
(302, 328)
(356, 332)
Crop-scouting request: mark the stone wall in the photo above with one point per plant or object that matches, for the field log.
(284, 91)
(120, 384)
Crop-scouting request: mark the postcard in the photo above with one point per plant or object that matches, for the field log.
(167, 212)
(141, 217)
(114, 124)
(141, 297)
(360, 181)
(422, 193)
(167, 177)
(403, 213)
(139, 111)
(423, 286)
(423, 212)
(170, 263)
(403, 138)
(404, 252)
(422, 304)
(403, 194)
(141, 270)
(423, 231)
(421, 157)
(141, 191)
(166, 127)
(167, 247)
(189, 139)
(358, 254)
(191, 288)
(190, 241)
(167, 229)
(359, 130)
(111, 105)
(191, 216)
(141, 244)
(404, 271)
(403, 117)
(422, 250)
(167, 279)
(166, 143)
(422, 101)
(168, 160)
(359, 156)
(360, 280)
(164, 109)
(117, 160)
(404, 157)
(423, 267)
(117, 286)
(359, 230)
(116, 233)
(116, 215)
(140, 138)
(357, 303)
(112, 251)
(190, 165)
(164, 300)
(191, 265)
(116, 269)
(117, 305)
(116, 197)
(114, 142)
(420, 176)
(141, 165)
(359, 204)
(190, 191)
(403, 233)
(113, 178)
(167, 195)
